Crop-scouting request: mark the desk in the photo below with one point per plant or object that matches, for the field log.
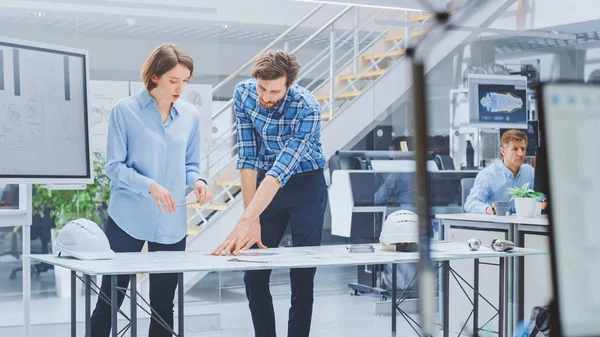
(524, 232)
(300, 257)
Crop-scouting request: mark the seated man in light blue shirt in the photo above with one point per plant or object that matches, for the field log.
(491, 183)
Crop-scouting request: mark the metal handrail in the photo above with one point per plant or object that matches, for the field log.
(321, 30)
(297, 49)
(375, 40)
(371, 44)
(347, 62)
(269, 46)
(367, 70)
(351, 82)
(328, 53)
(323, 55)
(220, 140)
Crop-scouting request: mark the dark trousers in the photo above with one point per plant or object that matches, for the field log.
(162, 286)
(301, 203)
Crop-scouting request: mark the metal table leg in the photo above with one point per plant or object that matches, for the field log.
(446, 301)
(501, 299)
(133, 300)
(180, 302)
(476, 298)
(88, 303)
(114, 305)
(73, 302)
(394, 281)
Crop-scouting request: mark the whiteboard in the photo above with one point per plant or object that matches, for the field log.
(103, 97)
(43, 114)
(570, 118)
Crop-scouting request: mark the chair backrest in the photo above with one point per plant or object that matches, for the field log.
(466, 184)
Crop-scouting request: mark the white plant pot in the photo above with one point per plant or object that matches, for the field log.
(525, 207)
(62, 276)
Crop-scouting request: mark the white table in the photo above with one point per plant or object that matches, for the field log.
(515, 228)
(303, 257)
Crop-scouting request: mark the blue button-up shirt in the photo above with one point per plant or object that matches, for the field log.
(142, 150)
(491, 184)
(284, 140)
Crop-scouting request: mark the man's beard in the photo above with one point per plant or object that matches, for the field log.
(270, 105)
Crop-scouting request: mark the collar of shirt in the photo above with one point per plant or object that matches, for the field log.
(144, 98)
(507, 172)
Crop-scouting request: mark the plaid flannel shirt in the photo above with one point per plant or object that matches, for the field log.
(282, 141)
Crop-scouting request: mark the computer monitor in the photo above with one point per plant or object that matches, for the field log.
(532, 137)
(13, 199)
(569, 116)
(44, 129)
(498, 101)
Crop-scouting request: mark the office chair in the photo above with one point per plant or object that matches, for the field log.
(10, 197)
(40, 228)
(466, 184)
(444, 162)
(13, 245)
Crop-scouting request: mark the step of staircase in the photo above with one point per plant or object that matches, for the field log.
(368, 75)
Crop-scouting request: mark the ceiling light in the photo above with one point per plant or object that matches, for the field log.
(37, 14)
(359, 4)
(130, 22)
(225, 26)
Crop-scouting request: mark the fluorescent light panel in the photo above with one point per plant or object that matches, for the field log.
(359, 4)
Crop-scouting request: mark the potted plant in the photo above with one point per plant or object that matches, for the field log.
(525, 200)
(66, 205)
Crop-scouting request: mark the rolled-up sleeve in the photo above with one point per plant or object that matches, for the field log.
(116, 154)
(478, 199)
(297, 146)
(246, 137)
(192, 155)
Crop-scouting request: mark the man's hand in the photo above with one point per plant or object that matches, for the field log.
(162, 196)
(203, 192)
(490, 210)
(245, 234)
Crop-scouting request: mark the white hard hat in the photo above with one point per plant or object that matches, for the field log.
(83, 239)
(400, 227)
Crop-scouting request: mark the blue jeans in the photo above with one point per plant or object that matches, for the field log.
(300, 203)
(162, 286)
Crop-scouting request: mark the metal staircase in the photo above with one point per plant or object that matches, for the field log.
(356, 78)
(354, 59)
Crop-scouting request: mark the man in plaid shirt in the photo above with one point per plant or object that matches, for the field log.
(279, 150)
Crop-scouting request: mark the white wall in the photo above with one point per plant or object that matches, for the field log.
(541, 14)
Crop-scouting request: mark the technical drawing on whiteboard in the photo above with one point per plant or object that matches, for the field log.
(43, 113)
(22, 127)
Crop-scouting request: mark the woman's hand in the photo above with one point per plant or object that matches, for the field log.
(203, 192)
(162, 196)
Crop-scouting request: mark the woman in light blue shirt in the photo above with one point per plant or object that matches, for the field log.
(153, 152)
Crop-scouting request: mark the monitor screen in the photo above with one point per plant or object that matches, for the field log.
(371, 188)
(532, 137)
(497, 101)
(44, 132)
(13, 199)
(570, 125)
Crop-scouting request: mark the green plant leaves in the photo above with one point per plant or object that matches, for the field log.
(523, 192)
(68, 205)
